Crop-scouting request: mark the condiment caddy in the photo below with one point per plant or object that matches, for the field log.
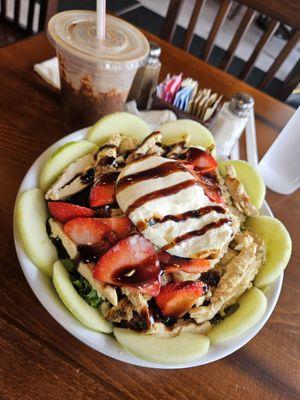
(186, 99)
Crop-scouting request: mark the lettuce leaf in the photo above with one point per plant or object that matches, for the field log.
(85, 290)
(82, 285)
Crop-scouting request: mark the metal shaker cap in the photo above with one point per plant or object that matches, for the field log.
(240, 104)
(154, 53)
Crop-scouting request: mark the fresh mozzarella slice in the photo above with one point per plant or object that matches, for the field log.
(158, 193)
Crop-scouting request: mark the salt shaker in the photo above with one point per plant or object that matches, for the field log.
(146, 78)
(230, 122)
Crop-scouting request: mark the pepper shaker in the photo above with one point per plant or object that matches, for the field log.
(146, 78)
(230, 122)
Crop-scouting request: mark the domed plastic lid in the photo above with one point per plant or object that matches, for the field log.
(74, 32)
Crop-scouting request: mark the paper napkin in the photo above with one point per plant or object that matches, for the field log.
(49, 71)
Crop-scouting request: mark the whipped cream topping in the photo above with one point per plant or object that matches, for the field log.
(156, 192)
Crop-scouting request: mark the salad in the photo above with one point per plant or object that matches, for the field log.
(154, 239)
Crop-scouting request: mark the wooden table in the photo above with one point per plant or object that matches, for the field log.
(39, 359)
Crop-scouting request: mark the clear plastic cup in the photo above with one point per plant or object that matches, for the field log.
(280, 166)
(96, 76)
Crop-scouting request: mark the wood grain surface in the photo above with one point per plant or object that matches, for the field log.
(39, 359)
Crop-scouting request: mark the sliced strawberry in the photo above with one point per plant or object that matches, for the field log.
(211, 188)
(171, 263)
(87, 231)
(152, 289)
(203, 165)
(121, 226)
(188, 166)
(190, 266)
(67, 211)
(177, 298)
(201, 159)
(131, 262)
(101, 195)
(165, 258)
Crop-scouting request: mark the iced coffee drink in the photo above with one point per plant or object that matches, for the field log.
(95, 75)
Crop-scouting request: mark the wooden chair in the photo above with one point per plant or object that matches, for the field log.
(287, 12)
(46, 9)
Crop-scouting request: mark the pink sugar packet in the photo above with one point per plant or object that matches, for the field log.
(171, 88)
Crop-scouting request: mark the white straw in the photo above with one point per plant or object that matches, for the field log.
(101, 11)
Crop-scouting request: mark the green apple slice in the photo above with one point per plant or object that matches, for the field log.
(31, 216)
(171, 350)
(251, 179)
(176, 130)
(252, 306)
(86, 314)
(61, 158)
(119, 122)
(278, 247)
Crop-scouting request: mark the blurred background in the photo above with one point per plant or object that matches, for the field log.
(170, 20)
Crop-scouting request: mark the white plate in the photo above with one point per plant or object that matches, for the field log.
(106, 344)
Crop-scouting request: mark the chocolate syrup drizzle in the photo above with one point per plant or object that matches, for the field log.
(108, 178)
(142, 225)
(107, 146)
(160, 193)
(198, 232)
(159, 171)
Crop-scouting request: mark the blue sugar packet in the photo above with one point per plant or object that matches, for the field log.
(179, 98)
(182, 98)
(187, 98)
